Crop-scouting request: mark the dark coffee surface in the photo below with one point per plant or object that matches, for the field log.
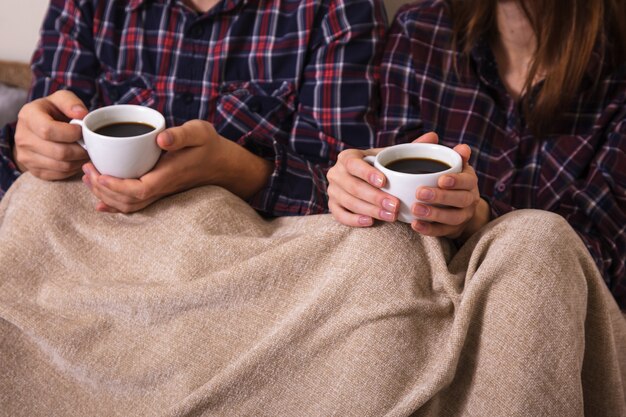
(417, 165)
(124, 129)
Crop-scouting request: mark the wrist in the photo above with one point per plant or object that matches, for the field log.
(244, 173)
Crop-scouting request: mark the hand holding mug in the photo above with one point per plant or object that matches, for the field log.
(195, 154)
(355, 190)
(45, 144)
(448, 204)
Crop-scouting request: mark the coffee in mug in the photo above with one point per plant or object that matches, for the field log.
(125, 129)
(417, 165)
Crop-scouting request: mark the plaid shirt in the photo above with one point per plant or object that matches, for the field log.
(578, 171)
(292, 81)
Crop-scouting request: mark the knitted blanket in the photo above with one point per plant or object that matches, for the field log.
(199, 306)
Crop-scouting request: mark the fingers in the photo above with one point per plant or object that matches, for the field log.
(385, 210)
(115, 194)
(68, 104)
(430, 137)
(46, 118)
(450, 206)
(465, 152)
(44, 142)
(353, 163)
(456, 190)
(190, 134)
(436, 229)
(354, 195)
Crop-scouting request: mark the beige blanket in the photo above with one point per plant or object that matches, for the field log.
(198, 306)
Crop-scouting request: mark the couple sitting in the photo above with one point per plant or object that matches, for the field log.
(278, 105)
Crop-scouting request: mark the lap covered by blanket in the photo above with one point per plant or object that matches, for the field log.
(199, 306)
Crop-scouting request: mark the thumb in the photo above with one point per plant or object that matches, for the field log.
(190, 134)
(430, 137)
(69, 104)
(465, 152)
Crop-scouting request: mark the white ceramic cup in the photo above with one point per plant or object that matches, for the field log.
(122, 157)
(403, 185)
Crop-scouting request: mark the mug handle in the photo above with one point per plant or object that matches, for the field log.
(80, 141)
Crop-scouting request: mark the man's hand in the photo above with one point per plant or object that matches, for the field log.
(195, 155)
(45, 142)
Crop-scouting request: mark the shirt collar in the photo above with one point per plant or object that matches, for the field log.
(487, 68)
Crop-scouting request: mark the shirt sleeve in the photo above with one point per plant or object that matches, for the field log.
(337, 106)
(8, 169)
(64, 58)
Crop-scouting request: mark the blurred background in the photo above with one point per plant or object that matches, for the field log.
(19, 26)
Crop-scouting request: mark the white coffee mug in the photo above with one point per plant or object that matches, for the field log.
(122, 157)
(404, 185)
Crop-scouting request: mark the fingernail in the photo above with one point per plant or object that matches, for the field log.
(365, 221)
(168, 140)
(376, 180)
(389, 205)
(419, 226)
(447, 182)
(425, 194)
(386, 215)
(86, 170)
(78, 108)
(421, 211)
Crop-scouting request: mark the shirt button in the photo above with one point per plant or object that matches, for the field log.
(196, 31)
(187, 97)
(501, 187)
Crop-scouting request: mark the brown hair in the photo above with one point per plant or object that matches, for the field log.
(566, 34)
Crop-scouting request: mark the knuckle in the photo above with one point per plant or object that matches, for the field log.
(468, 199)
(141, 194)
(64, 166)
(330, 190)
(60, 153)
(461, 217)
(352, 165)
(351, 187)
(44, 131)
(330, 175)
(343, 155)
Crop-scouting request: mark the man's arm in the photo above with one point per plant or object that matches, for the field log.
(337, 109)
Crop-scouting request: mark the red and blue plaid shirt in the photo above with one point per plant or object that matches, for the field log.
(293, 81)
(577, 171)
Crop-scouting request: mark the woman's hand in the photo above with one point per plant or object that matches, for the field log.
(354, 195)
(454, 208)
(195, 155)
(44, 141)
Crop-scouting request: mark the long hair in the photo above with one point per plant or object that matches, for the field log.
(567, 34)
